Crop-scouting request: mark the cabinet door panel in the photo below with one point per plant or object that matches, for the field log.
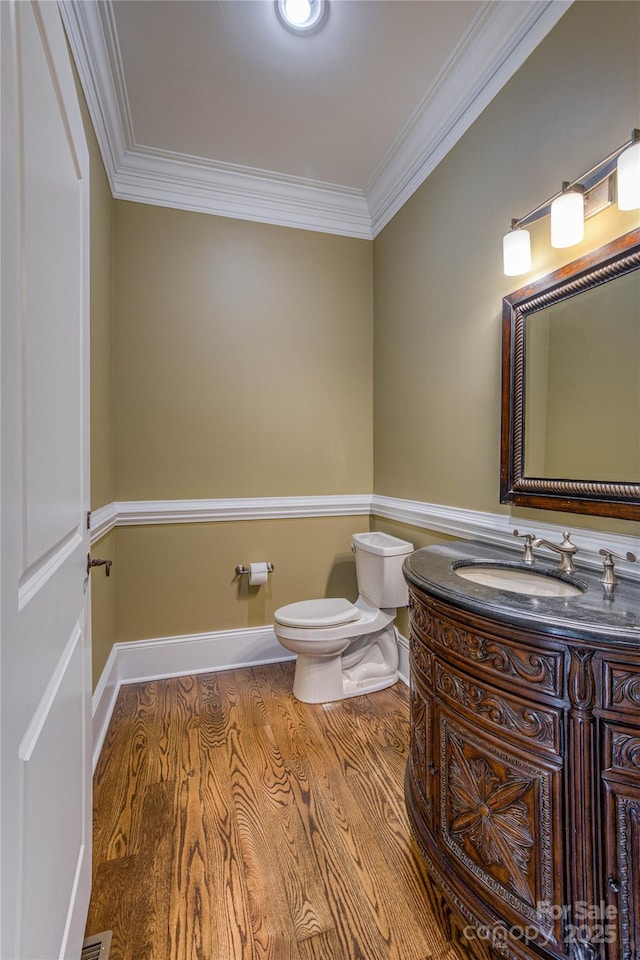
(499, 816)
(623, 866)
(421, 747)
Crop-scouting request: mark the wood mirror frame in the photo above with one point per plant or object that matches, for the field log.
(603, 498)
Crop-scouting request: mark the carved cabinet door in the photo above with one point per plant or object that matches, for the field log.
(500, 817)
(622, 839)
(421, 756)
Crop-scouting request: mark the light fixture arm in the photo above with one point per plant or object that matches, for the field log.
(588, 181)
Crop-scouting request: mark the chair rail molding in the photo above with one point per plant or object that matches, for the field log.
(496, 528)
(498, 41)
(141, 512)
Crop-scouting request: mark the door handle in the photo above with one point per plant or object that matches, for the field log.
(98, 563)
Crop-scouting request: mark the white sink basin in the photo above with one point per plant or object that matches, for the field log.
(518, 580)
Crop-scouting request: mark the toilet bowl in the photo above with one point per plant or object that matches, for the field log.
(348, 649)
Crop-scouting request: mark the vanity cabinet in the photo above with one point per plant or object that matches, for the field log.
(523, 782)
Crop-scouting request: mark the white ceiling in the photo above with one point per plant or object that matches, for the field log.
(212, 105)
(225, 80)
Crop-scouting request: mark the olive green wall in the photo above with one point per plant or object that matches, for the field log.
(243, 358)
(438, 281)
(180, 578)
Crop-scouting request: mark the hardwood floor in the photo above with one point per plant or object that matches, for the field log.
(232, 822)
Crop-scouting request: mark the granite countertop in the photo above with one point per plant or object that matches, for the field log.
(593, 615)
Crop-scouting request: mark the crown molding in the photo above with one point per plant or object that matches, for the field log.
(498, 41)
(496, 44)
(91, 32)
(168, 179)
(244, 193)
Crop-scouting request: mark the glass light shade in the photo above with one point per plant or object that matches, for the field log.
(302, 16)
(629, 178)
(297, 12)
(516, 252)
(567, 219)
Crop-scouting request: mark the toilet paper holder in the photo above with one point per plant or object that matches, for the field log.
(241, 570)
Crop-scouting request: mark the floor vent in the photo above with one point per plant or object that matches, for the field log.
(97, 947)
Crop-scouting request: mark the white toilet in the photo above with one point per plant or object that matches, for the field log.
(347, 649)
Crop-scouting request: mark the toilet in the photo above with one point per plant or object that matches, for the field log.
(347, 649)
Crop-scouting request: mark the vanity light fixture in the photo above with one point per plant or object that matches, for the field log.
(578, 198)
(516, 250)
(567, 216)
(302, 16)
(629, 177)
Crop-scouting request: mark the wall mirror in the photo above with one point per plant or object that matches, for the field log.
(571, 387)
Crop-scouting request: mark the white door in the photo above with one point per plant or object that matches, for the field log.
(44, 620)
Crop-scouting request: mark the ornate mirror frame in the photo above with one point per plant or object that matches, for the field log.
(610, 498)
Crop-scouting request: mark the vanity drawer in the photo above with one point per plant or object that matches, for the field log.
(490, 653)
(621, 687)
(621, 750)
(505, 714)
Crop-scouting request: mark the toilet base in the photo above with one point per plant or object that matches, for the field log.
(324, 679)
(348, 660)
(369, 686)
(309, 687)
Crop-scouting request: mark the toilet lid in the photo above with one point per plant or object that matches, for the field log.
(317, 613)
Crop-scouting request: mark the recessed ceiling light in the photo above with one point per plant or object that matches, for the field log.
(302, 16)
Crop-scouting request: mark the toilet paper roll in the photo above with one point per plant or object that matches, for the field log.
(258, 573)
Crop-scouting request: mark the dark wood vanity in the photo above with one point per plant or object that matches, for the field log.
(523, 783)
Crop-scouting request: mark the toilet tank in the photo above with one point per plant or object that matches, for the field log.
(379, 559)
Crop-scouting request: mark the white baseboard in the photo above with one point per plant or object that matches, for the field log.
(403, 664)
(145, 660)
(103, 702)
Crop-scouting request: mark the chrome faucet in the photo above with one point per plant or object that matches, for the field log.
(566, 549)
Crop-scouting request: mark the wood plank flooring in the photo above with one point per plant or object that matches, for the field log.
(232, 822)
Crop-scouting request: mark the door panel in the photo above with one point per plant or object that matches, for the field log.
(51, 207)
(44, 634)
(50, 748)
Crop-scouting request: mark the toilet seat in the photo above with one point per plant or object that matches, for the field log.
(307, 614)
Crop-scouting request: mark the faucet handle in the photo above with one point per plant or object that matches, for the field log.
(608, 576)
(528, 542)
